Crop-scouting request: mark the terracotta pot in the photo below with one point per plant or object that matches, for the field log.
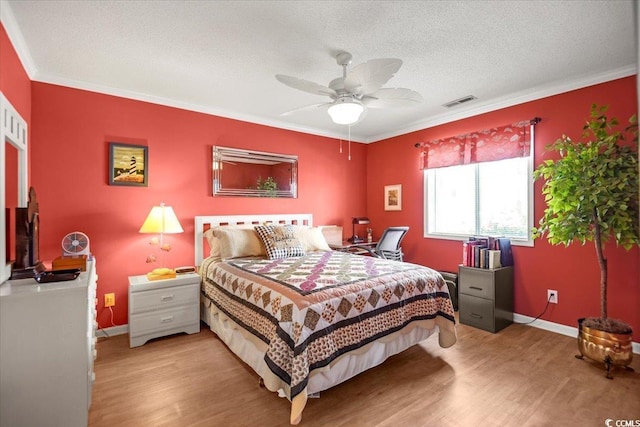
(609, 348)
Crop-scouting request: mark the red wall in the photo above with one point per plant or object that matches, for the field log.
(572, 271)
(16, 87)
(71, 132)
(14, 81)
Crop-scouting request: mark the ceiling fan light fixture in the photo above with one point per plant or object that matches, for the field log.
(345, 111)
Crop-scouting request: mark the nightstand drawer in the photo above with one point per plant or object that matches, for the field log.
(476, 312)
(159, 299)
(158, 321)
(476, 282)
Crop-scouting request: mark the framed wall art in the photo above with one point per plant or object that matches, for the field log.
(393, 197)
(128, 165)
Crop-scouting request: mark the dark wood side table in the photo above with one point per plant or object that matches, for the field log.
(485, 297)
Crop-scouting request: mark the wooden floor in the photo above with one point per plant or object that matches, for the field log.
(522, 376)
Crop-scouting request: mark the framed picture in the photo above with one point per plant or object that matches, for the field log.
(393, 197)
(128, 164)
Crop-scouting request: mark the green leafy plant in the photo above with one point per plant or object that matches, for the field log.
(269, 185)
(591, 193)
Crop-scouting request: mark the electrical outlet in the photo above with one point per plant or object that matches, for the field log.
(552, 296)
(109, 300)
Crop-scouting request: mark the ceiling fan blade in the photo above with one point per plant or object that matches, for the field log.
(391, 98)
(306, 85)
(367, 78)
(305, 108)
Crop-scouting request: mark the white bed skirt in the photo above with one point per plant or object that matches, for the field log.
(252, 351)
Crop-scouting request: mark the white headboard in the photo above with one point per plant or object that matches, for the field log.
(203, 223)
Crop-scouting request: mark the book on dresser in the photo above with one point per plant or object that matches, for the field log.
(506, 254)
(494, 259)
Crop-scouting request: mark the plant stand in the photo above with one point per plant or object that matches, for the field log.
(609, 348)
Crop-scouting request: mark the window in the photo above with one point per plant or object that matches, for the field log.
(489, 198)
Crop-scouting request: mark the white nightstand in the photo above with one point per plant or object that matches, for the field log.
(159, 308)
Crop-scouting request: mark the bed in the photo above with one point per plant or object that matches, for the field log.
(306, 318)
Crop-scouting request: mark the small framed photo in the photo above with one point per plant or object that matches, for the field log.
(128, 165)
(393, 197)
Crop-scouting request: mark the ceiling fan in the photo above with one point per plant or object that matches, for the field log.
(356, 90)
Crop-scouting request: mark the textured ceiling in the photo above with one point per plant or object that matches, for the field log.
(220, 57)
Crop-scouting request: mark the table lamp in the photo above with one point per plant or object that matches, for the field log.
(357, 220)
(161, 220)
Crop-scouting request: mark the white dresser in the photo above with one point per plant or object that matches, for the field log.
(47, 349)
(158, 308)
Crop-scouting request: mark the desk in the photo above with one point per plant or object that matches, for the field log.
(353, 248)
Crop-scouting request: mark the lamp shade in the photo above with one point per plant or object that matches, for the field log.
(345, 111)
(360, 220)
(161, 219)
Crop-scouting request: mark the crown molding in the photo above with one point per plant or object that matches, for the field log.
(561, 86)
(528, 95)
(510, 100)
(234, 115)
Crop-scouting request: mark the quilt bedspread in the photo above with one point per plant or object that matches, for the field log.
(309, 310)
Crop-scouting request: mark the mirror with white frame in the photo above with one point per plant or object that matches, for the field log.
(13, 136)
(238, 172)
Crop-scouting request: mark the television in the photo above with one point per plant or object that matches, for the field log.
(27, 237)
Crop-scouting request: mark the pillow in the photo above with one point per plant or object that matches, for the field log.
(311, 239)
(279, 241)
(238, 242)
(213, 242)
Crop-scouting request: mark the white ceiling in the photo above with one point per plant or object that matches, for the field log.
(220, 57)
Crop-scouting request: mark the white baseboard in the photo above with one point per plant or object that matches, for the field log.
(112, 331)
(559, 329)
(518, 318)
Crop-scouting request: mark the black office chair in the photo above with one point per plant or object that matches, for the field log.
(388, 246)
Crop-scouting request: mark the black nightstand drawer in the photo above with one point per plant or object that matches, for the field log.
(477, 282)
(477, 312)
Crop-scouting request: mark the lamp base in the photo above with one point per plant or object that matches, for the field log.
(355, 239)
(161, 274)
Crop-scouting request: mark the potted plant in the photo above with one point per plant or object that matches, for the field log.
(591, 192)
(269, 185)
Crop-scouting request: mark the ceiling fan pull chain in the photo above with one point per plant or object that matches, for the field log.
(349, 142)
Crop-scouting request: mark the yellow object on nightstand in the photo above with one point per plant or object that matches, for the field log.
(161, 273)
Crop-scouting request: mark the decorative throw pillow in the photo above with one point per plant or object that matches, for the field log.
(279, 241)
(311, 239)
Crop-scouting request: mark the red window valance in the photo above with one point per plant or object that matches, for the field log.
(498, 143)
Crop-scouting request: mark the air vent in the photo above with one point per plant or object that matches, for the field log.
(459, 101)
